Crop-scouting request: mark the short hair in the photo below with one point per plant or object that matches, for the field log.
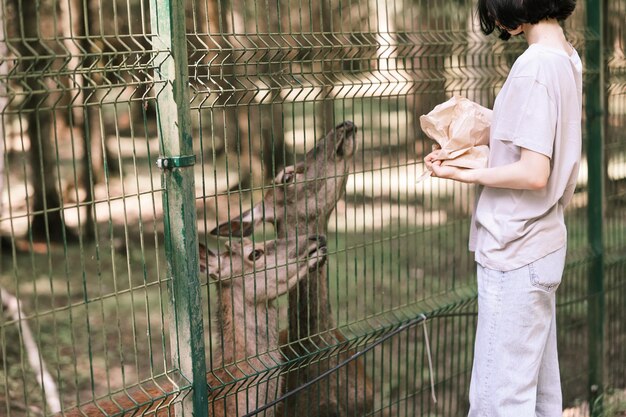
(512, 13)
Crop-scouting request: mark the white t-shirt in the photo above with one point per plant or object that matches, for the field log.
(539, 108)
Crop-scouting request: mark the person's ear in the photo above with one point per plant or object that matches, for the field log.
(518, 30)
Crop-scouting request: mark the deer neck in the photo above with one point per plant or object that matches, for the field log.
(249, 333)
(310, 312)
(248, 329)
(309, 305)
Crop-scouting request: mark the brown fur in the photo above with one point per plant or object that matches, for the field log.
(246, 290)
(300, 203)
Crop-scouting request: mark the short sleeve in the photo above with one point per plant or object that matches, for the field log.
(526, 115)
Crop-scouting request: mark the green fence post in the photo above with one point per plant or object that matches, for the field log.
(594, 105)
(180, 227)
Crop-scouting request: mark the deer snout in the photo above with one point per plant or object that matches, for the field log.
(209, 262)
(348, 126)
(205, 253)
(317, 251)
(345, 144)
(320, 239)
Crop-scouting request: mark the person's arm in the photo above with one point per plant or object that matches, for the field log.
(531, 172)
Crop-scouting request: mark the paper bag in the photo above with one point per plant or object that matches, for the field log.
(461, 128)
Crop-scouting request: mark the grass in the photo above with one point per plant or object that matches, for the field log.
(100, 315)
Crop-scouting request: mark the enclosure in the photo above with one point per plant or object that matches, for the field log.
(135, 130)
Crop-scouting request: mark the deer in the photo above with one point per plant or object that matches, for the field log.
(300, 202)
(248, 277)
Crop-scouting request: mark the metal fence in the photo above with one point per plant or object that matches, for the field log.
(133, 130)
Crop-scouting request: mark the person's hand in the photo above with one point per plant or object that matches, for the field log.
(449, 172)
(433, 164)
(432, 159)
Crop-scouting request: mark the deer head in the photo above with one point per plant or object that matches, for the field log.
(303, 195)
(267, 269)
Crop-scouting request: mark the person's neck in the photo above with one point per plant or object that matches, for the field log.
(547, 33)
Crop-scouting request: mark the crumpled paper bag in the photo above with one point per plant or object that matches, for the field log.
(461, 129)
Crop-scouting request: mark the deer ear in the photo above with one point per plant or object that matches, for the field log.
(253, 217)
(244, 225)
(232, 227)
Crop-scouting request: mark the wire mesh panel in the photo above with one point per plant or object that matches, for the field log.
(396, 249)
(615, 234)
(286, 133)
(272, 86)
(81, 212)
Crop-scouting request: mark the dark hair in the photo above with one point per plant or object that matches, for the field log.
(512, 13)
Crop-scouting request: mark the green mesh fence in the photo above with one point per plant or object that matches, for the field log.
(282, 136)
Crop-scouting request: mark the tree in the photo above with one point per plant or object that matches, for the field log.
(3, 105)
(75, 15)
(47, 222)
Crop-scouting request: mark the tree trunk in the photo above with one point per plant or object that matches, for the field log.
(3, 104)
(428, 68)
(321, 17)
(252, 132)
(80, 115)
(271, 110)
(47, 221)
(96, 146)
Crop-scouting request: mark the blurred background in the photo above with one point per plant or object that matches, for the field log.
(86, 109)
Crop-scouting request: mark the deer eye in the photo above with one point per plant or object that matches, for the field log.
(255, 254)
(288, 177)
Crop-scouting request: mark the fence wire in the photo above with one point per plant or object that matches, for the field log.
(302, 116)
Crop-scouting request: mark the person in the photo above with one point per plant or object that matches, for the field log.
(518, 231)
